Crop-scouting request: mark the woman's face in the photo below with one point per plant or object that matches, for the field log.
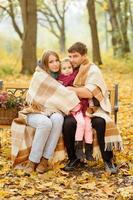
(53, 63)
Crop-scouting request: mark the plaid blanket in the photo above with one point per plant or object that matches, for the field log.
(22, 138)
(91, 77)
(46, 96)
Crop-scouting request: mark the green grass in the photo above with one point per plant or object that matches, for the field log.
(6, 70)
(122, 65)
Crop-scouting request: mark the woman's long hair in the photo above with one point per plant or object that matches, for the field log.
(45, 59)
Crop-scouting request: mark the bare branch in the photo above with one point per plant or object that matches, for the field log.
(49, 28)
(52, 15)
(56, 8)
(52, 27)
(13, 19)
(44, 19)
(10, 12)
(99, 2)
(64, 9)
(5, 9)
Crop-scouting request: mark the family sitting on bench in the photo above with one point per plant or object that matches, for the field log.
(69, 98)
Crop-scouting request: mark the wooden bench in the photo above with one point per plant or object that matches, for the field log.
(113, 96)
(20, 90)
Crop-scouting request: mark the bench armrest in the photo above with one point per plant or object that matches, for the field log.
(116, 105)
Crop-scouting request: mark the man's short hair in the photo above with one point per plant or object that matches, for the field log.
(78, 47)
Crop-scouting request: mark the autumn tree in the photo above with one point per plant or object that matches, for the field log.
(116, 34)
(94, 33)
(53, 18)
(123, 18)
(28, 34)
(29, 18)
(131, 15)
(118, 12)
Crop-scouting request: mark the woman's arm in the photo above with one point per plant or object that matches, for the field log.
(81, 92)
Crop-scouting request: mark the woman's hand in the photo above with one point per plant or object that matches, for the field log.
(71, 88)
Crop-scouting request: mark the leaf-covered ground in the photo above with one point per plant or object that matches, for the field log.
(90, 182)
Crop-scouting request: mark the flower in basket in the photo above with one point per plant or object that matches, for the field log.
(8, 101)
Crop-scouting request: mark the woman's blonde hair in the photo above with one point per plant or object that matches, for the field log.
(45, 59)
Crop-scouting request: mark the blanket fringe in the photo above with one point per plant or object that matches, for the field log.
(58, 156)
(116, 145)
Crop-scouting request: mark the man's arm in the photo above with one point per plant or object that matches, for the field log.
(81, 92)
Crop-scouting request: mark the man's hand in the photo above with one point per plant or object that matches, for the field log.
(81, 92)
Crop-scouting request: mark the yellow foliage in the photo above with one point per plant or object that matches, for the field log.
(105, 6)
(91, 182)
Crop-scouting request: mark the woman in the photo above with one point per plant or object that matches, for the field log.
(47, 99)
(48, 130)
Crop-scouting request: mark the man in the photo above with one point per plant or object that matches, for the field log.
(89, 84)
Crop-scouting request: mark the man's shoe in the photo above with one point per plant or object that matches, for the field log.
(110, 167)
(89, 157)
(72, 164)
(43, 166)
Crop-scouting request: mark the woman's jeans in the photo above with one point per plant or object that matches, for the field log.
(48, 131)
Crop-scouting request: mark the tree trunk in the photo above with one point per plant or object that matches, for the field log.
(131, 15)
(106, 31)
(116, 35)
(123, 21)
(62, 41)
(94, 34)
(29, 17)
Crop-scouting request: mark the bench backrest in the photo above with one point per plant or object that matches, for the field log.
(20, 90)
(17, 90)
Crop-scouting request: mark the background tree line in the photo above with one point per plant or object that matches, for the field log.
(51, 14)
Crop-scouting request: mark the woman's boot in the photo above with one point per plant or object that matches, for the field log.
(30, 167)
(42, 166)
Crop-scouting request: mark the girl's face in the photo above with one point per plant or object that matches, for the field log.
(66, 68)
(53, 63)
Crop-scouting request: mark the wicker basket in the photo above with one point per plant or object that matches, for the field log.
(7, 115)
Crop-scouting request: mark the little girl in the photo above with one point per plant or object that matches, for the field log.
(84, 129)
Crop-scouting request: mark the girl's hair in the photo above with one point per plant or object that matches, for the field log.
(67, 59)
(45, 59)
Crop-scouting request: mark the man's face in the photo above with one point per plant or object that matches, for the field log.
(76, 58)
